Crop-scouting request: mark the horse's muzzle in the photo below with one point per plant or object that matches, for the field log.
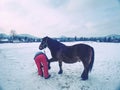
(40, 47)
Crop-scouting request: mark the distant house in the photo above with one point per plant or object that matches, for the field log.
(4, 40)
(16, 41)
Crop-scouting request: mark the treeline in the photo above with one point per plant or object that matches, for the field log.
(96, 39)
(22, 38)
(26, 38)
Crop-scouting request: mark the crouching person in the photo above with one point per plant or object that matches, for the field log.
(41, 61)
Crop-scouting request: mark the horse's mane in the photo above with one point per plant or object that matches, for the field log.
(54, 43)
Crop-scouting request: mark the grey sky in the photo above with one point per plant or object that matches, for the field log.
(60, 17)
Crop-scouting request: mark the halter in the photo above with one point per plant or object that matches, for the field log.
(45, 43)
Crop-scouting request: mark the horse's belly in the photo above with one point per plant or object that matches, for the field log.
(71, 60)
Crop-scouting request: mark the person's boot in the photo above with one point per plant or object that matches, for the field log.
(48, 77)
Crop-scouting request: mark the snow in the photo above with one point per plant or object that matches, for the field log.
(19, 72)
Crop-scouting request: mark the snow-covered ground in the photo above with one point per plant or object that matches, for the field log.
(18, 70)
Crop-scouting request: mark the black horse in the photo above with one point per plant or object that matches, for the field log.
(70, 54)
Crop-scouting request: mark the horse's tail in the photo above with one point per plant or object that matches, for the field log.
(92, 60)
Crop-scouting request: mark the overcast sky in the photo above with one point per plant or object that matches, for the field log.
(60, 17)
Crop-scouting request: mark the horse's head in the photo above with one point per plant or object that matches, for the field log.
(43, 43)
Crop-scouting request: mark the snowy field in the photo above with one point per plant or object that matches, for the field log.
(18, 70)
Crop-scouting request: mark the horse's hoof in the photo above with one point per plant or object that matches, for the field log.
(60, 72)
(84, 78)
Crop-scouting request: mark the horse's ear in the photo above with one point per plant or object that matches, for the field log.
(46, 37)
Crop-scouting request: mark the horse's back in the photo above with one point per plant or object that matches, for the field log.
(82, 50)
(81, 45)
(77, 50)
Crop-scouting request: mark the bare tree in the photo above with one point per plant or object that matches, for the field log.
(12, 34)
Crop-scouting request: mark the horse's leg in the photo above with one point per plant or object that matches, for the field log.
(51, 60)
(84, 75)
(60, 66)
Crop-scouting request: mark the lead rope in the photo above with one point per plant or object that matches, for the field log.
(44, 51)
